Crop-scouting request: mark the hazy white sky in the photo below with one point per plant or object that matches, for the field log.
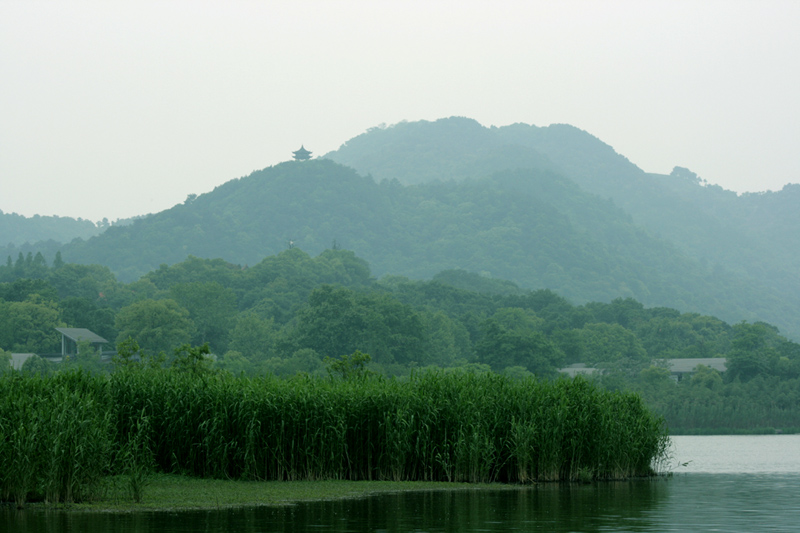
(113, 109)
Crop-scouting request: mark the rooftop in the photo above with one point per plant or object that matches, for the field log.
(81, 334)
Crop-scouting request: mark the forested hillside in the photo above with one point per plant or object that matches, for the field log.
(46, 234)
(754, 237)
(546, 207)
(17, 229)
(530, 226)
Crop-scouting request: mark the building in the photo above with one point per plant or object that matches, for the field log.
(72, 338)
(578, 369)
(680, 368)
(302, 154)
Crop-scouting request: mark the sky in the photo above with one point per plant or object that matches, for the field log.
(113, 109)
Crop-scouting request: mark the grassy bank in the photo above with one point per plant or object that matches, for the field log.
(63, 435)
(169, 492)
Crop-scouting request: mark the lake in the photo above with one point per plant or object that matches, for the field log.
(719, 483)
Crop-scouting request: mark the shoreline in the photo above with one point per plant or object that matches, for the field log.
(172, 493)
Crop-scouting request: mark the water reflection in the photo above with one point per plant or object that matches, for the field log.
(568, 507)
(544, 508)
(733, 484)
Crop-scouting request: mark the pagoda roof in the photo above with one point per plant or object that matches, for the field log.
(302, 153)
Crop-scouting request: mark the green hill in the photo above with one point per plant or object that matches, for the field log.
(532, 227)
(17, 230)
(754, 238)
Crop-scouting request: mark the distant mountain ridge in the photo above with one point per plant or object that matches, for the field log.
(46, 234)
(457, 148)
(18, 229)
(532, 227)
(546, 207)
(755, 236)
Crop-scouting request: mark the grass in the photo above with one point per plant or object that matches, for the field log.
(169, 492)
(62, 436)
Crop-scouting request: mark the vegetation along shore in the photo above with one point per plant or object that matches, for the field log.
(172, 492)
(64, 434)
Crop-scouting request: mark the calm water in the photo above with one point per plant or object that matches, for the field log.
(738, 483)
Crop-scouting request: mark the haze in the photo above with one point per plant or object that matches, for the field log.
(119, 109)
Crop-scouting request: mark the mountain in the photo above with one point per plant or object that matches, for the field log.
(46, 234)
(753, 237)
(18, 230)
(531, 226)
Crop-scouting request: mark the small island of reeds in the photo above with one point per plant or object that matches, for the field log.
(62, 435)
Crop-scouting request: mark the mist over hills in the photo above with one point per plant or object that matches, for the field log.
(546, 207)
(754, 237)
(17, 230)
(46, 234)
(755, 234)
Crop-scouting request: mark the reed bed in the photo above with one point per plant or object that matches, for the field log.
(56, 436)
(434, 426)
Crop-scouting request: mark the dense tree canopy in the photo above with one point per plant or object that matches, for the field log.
(157, 325)
(292, 312)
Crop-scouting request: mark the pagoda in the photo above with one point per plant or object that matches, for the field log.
(302, 154)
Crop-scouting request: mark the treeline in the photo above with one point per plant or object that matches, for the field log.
(63, 434)
(291, 311)
(531, 226)
(17, 229)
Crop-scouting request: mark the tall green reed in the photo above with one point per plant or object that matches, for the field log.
(68, 430)
(56, 436)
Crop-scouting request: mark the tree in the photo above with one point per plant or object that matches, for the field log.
(235, 363)
(343, 267)
(58, 262)
(211, 307)
(304, 360)
(753, 351)
(349, 367)
(25, 288)
(448, 339)
(626, 312)
(5, 361)
(254, 337)
(37, 366)
(611, 343)
(157, 325)
(706, 377)
(84, 313)
(29, 326)
(338, 321)
(502, 346)
(81, 281)
(332, 324)
(194, 360)
(38, 268)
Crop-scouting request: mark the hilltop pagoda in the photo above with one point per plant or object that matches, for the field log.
(302, 154)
